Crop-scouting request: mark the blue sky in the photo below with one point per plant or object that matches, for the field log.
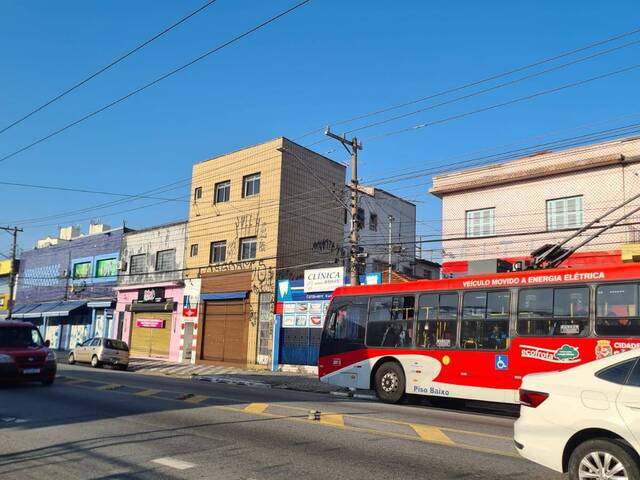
(328, 61)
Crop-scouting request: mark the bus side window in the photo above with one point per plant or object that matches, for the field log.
(437, 320)
(485, 320)
(617, 310)
(391, 321)
(346, 319)
(553, 311)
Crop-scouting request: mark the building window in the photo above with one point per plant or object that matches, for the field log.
(248, 248)
(346, 213)
(218, 252)
(223, 190)
(197, 194)
(373, 222)
(137, 264)
(481, 223)
(251, 185)
(165, 260)
(360, 219)
(194, 250)
(564, 213)
(107, 267)
(82, 270)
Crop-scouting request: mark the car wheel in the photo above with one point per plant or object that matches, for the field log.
(603, 458)
(390, 382)
(123, 367)
(72, 359)
(95, 363)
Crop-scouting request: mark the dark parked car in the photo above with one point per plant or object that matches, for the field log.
(24, 355)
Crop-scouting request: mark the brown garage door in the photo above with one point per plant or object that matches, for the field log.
(225, 331)
(147, 339)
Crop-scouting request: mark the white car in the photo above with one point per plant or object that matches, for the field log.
(585, 420)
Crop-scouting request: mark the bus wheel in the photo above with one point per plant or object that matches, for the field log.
(390, 382)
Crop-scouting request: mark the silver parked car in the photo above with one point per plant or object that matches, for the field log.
(101, 351)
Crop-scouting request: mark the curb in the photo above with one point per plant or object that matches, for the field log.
(231, 381)
(352, 394)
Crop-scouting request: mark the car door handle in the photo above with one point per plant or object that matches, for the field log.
(634, 406)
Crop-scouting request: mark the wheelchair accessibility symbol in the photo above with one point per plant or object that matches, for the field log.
(502, 362)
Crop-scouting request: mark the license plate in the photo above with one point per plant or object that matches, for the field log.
(31, 371)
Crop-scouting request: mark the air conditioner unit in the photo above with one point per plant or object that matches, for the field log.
(122, 266)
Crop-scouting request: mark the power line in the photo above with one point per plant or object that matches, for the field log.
(156, 81)
(106, 67)
(477, 82)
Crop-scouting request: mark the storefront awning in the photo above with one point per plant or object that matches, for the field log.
(150, 306)
(64, 308)
(241, 295)
(53, 309)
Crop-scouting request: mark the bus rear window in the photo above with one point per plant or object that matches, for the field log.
(617, 310)
(553, 311)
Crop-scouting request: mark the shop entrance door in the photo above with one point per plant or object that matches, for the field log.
(225, 331)
(150, 335)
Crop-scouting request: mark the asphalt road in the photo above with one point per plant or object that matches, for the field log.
(103, 424)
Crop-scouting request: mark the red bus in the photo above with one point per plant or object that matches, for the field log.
(476, 337)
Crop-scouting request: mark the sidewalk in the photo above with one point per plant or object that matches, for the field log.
(221, 374)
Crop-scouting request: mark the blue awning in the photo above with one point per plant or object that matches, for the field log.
(52, 309)
(64, 308)
(225, 296)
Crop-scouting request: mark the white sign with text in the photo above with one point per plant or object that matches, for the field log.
(323, 279)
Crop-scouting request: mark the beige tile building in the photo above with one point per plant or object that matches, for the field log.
(257, 214)
(508, 210)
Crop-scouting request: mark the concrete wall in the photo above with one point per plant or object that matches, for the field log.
(149, 242)
(403, 230)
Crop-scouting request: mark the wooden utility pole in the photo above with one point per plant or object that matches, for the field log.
(352, 146)
(12, 276)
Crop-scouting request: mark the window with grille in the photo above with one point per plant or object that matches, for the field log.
(373, 222)
(248, 248)
(564, 213)
(136, 264)
(251, 185)
(481, 223)
(218, 252)
(223, 190)
(165, 260)
(194, 250)
(197, 194)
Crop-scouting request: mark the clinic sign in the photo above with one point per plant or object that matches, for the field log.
(323, 279)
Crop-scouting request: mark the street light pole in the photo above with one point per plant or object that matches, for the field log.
(352, 146)
(12, 276)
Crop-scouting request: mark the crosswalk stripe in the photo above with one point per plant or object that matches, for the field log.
(147, 393)
(256, 407)
(431, 434)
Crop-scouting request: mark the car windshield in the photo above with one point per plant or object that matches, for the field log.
(116, 345)
(20, 337)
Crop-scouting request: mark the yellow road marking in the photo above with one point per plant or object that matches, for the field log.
(196, 399)
(256, 407)
(75, 381)
(332, 419)
(147, 393)
(109, 386)
(334, 422)
(431, 434)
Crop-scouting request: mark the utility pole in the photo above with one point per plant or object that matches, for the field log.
(391, 219)
(12, 276)
(352, 146)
